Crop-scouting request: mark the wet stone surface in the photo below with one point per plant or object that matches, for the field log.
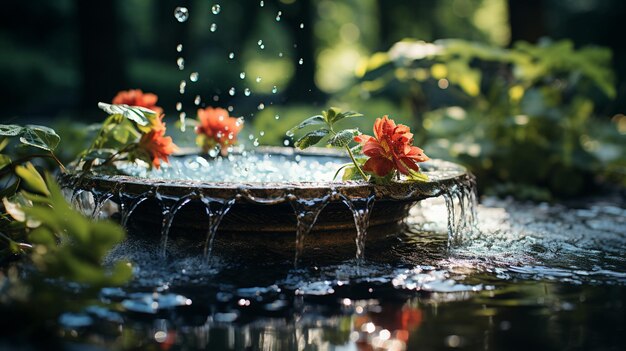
(554, 272)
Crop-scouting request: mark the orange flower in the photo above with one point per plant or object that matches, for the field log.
(156, 144)
(136, 97)
(217, 127)
(390, 148)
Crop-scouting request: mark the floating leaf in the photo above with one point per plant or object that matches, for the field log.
(343, 138)
(311, 138)
(40, 137)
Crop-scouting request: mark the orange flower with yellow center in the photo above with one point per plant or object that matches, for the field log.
(216, 127)
(136, 97)
(156, 144)
(390, 148)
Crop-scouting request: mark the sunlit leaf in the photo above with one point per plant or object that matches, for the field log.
(32, 178)
(311, 138)
(311, 121)
(343, 138)
(10, 129)
(40, 137)
(136, 114)
(338, 116)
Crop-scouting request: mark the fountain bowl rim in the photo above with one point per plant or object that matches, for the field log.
(270, 192)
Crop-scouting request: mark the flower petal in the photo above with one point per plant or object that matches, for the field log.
(379, 166)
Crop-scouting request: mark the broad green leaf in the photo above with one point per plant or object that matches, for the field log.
(40, 137)
(42, 236)
(343, 138)
(341, 115)
(32, 178)
(136, 114)
(311, 121)
(10, 129)
(122, 131)
(311, 138)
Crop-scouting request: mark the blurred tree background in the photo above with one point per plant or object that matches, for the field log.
(277, 61)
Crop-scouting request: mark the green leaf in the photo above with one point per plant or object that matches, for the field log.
(343, 138)
(351, 173)
(3, 143)
(32, 178)
(40, 137)
(4, 161)
(417, 176)
(341, 115)
(311, 138)
(136, 114)
(10, 190)
(102, 154)
(122, 131)
(10, 129)
(311, 121)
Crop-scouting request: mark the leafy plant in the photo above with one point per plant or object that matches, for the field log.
(323, 127)
(390, 151)
(522, 118)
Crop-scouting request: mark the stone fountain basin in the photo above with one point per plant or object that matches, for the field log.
(145, 203)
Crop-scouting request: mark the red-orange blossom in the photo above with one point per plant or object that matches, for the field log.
(390, 148)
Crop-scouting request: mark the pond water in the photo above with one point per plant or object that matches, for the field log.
(534, 276)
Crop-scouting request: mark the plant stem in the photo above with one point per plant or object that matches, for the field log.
(54, 157)
(355, 163)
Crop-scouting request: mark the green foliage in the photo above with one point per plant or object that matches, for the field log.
(324, 128)
(519, 116)
(32, 135)
(119, 136)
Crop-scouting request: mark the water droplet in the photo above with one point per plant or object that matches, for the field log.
(246, 92)
(197, 100)
(256, 142)
(193, 77)
(277, 117)
(231, 55)
(262, 46)
(286, 142)
(181, 14)
(251, 136)
(230, 108)
(182, 117)
(213, 27)
(280, 54)
(179, 48)
(242, 75)
(231, 92)
(274, 89)
(179, 106)
(181, 87)
(260, 42)
(301, 25)
(262, 3)
(262, 133)
(216, 9)
(301, 61)
(280, 13)
(216, 98)
(261, 106)
(258, 79)
(181, 63)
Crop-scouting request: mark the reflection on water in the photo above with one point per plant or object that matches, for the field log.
(534, 276)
